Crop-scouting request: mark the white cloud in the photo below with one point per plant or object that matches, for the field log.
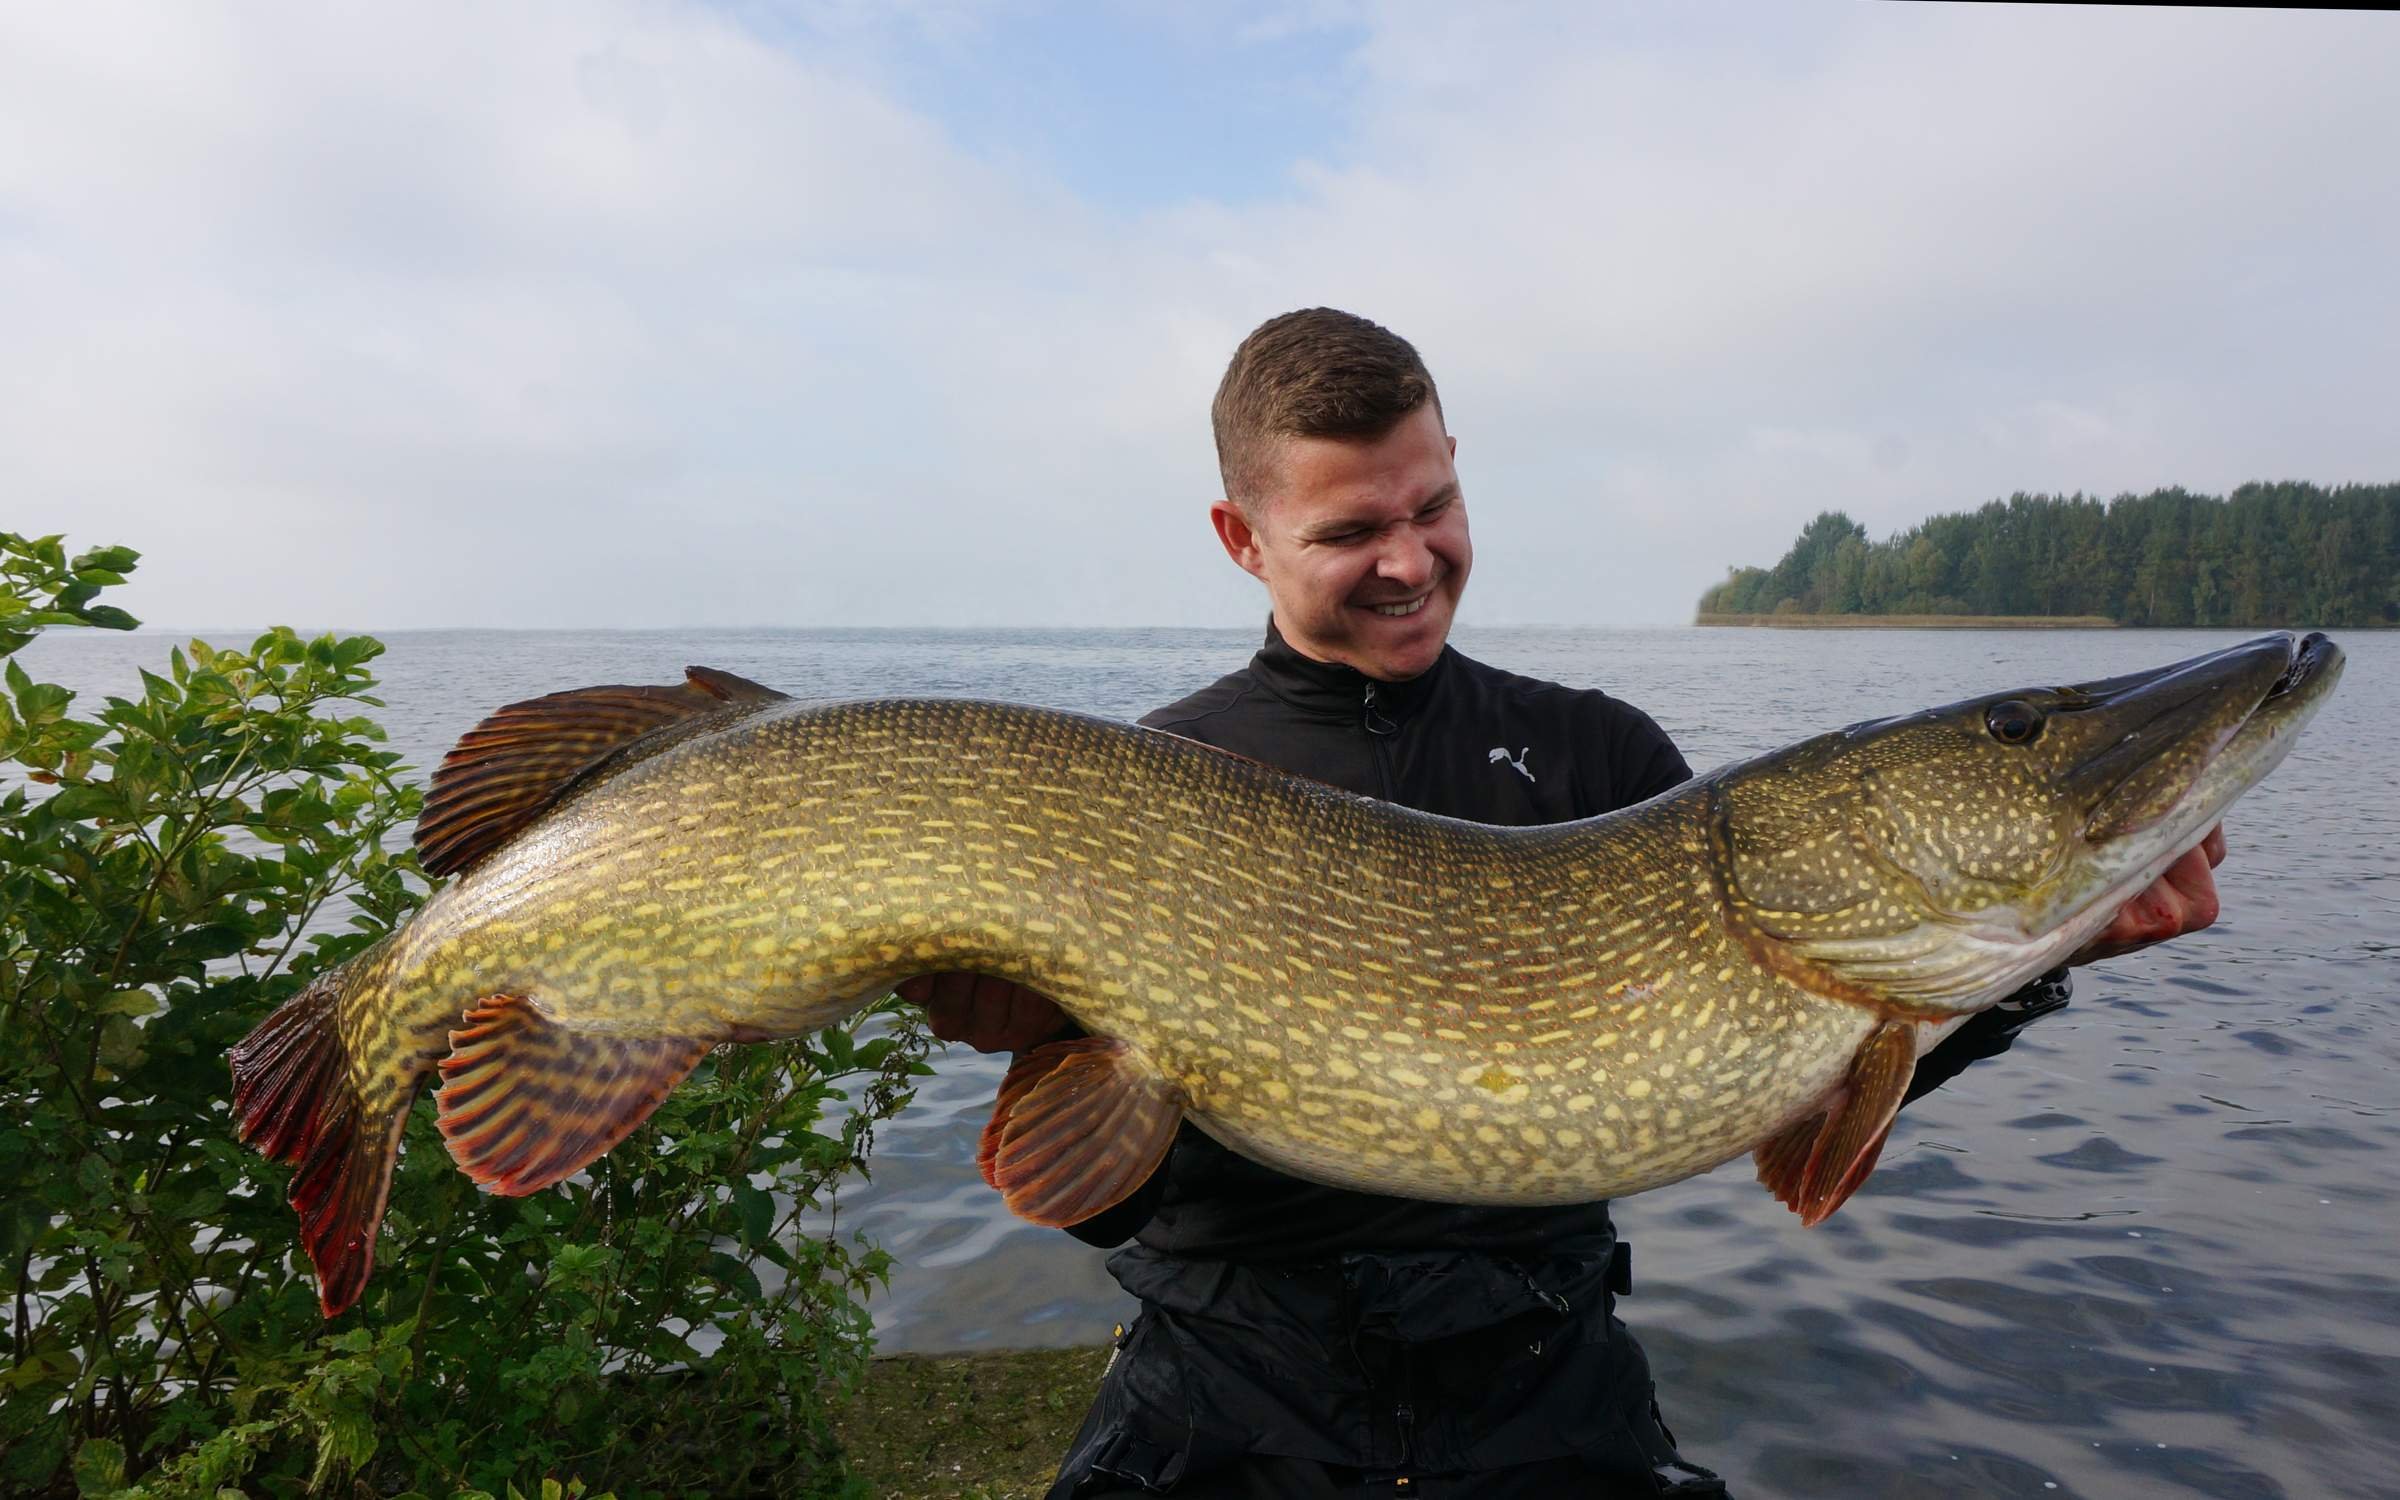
(636, 313)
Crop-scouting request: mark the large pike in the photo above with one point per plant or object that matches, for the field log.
(1360, 994)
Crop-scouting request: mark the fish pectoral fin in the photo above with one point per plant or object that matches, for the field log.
(1077, 1127)
(526, 1100)
(507, 771)
(1814, 1166)
(1783, 1161)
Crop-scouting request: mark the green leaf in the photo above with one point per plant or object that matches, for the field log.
(838, 1049)
(735, 1274)
(128, 1003)
(344, 1444)
(107, 559)
(21, 1223)
(109, 617)
(99, 1467)
(571, 1264)
(757, 1209)
(121, 1048)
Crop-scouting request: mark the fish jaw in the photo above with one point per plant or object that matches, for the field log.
(2120, 867)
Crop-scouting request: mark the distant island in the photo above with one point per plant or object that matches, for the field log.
(2267, 555)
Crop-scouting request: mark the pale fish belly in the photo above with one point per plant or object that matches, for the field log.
(1619, 1111)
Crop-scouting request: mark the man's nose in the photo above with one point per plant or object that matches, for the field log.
(1406, 559)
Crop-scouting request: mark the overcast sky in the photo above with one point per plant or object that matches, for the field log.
(663, 314)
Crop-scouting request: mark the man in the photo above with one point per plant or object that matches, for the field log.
(1299, 1340)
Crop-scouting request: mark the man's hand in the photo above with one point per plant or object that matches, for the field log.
(2184, 900)
(989, 1015)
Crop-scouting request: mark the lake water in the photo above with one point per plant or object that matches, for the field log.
(2149, 1252)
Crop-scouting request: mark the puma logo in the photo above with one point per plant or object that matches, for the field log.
(1500, 754)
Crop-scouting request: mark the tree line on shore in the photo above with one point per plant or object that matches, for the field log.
(2266, 555)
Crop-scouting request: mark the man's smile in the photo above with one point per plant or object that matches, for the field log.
(1403, 608)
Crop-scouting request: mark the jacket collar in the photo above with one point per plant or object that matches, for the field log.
(1333, 690)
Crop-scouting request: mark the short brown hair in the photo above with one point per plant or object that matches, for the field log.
(1316, 373)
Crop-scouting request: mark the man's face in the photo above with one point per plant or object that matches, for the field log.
(1362, 546)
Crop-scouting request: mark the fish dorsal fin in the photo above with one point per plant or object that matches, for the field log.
(1078, 1126)
(1814, 1166)
(512, 767)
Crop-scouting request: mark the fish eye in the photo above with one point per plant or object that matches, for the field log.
(2014, 722)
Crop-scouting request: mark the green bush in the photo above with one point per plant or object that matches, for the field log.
(172, 867)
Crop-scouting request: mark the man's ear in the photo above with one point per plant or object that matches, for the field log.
(1239, 537)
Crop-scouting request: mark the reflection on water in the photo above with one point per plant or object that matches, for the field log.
(2147, 1253)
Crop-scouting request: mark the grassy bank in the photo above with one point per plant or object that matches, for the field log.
(1912, 622)
(968, 1426)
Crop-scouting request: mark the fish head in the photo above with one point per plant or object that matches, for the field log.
(1933, 863)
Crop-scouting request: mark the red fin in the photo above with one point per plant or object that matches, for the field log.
(1814, 1166)
(1023, 1073)
(293, 1100)
(1076, 1129)
(509, 769)
(1783, 1161)
(526, 1101)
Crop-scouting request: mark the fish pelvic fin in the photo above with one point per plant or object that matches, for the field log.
(297, 1098)
(1813, 1167)
(1077, 1127)
(527, 1100)
(514, 766)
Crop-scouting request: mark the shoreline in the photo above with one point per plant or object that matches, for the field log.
(1918, 622)
(990, 1424)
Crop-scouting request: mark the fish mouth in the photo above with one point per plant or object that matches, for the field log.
(2151, 737)
(2184, 743)
(2314, 655)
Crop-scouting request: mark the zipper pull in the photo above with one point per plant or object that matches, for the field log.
(1376, 722)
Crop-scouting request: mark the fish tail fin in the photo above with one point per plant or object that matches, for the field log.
(297, 1098)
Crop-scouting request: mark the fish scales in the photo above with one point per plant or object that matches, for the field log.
(1384, 1033)
(1355, 992)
